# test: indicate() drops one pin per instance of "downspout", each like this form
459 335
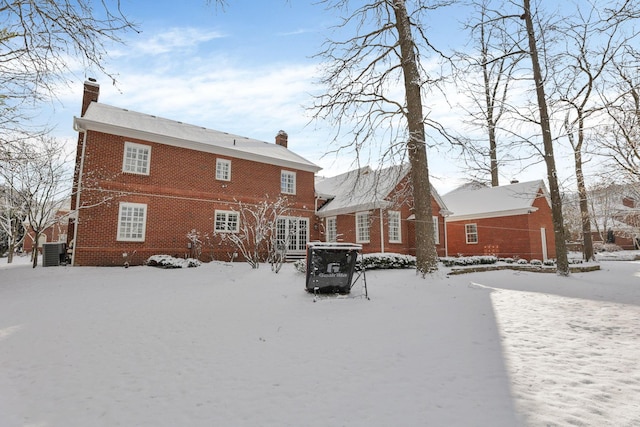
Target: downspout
381 232
78 191
446 243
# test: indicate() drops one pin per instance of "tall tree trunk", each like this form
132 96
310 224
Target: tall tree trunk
562 262
490 104
426 254
585 217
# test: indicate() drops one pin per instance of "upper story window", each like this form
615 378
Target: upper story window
132 221
227 222
136 158
362 227
223 169
471 231
288 182
436 231
331 229
395 232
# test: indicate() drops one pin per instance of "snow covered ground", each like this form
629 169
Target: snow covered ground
224 345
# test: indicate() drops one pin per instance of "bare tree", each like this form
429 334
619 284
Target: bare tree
592 42
619 140
13 211
40 180
257 238
39 43
495 57
562 261
384 46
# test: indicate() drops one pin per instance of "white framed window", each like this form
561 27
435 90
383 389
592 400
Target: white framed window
288 182
137 158
436 231
395 232
223 169
227 221
331 232
292 233
362 227
132 222
471 231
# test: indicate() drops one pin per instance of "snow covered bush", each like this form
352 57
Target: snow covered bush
522 261
549 262
606 247
462 261
379 261
167 261
509 260
385 261
535 262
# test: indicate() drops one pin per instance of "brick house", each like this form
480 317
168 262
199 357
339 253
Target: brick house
142 183
56 232
374 209
507 221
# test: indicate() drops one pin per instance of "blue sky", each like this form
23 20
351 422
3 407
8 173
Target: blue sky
247 69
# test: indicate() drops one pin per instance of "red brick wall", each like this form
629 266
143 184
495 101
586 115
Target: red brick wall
181 193
508 236
346 226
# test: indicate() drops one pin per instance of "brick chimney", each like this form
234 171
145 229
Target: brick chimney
91 93
282 138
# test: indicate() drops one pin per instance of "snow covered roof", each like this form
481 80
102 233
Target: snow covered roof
119 121
362 189
506 200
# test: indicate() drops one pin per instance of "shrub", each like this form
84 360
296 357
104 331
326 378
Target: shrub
535 262
385 261
167 261
469 260
606 247
549 262
522 261
372 262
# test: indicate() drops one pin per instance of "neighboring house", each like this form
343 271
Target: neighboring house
143 183
615 215
56 232
374 209
507 221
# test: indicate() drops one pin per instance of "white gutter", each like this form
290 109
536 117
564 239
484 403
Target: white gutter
381 232
78 190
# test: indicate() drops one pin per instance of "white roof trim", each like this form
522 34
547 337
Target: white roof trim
281 155
352 209
496 214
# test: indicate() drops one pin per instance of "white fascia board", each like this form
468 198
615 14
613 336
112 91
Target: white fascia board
485 215
354 209
82 124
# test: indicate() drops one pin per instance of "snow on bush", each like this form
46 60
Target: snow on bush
167 261
468 260
385 261
376 261
535 262
606 247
